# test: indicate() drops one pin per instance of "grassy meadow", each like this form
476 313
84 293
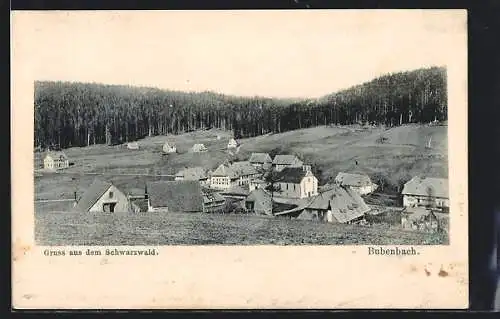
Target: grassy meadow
64 228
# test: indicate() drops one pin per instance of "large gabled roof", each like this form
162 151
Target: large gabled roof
292 175
177 196
260 158
92 195
286 160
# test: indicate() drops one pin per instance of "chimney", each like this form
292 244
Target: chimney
75 201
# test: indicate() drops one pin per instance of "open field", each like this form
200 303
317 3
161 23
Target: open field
65 228
330 150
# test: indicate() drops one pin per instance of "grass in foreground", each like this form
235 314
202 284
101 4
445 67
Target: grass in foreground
66 228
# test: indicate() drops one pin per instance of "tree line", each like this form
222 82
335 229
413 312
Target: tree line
78 114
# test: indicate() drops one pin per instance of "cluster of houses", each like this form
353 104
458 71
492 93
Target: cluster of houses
294 194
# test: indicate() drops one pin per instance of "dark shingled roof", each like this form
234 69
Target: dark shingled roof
291 175
350 179
346 204
92 195
260 158
178 196
286 160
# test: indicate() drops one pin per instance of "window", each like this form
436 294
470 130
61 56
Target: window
111 194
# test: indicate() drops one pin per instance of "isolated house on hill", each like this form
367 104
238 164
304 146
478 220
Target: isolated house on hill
232 143
297 182
133 146
259 202
199 148
426 192
337 205
55 160
193 174
358 182
260 160
103 196
174 196
169 148
282 161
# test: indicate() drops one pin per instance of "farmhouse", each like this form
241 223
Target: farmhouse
169 148
55 160
232 143
419 218
174 196
337 205
297 182
282 161
193 174
237 173
103 196
259 202
213 202
359 182
223 177
244 171
426 192
199 148
133 146
260 160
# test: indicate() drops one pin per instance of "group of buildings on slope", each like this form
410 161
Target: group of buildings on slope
295 194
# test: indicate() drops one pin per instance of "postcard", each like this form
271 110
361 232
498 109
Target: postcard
305 159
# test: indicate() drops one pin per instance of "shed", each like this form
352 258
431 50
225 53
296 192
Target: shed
174 196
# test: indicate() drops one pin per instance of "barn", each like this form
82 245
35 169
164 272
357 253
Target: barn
103 196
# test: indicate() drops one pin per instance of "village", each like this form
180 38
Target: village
282 186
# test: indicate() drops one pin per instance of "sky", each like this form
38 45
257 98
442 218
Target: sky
285 53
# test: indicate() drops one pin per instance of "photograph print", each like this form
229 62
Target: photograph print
243 128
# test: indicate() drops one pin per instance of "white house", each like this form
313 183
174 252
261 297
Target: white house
282 161
193 174
103 196
426 192
232 143
235 174
133 146
55 160
297 182
198 148
174 196
260 160
169 148
359 182
223 177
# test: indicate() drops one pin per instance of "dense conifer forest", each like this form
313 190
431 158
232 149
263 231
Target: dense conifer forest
78 114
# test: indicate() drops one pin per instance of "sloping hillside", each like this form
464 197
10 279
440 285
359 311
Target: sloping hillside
403 154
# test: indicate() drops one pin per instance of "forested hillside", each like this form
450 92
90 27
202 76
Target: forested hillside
79 114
